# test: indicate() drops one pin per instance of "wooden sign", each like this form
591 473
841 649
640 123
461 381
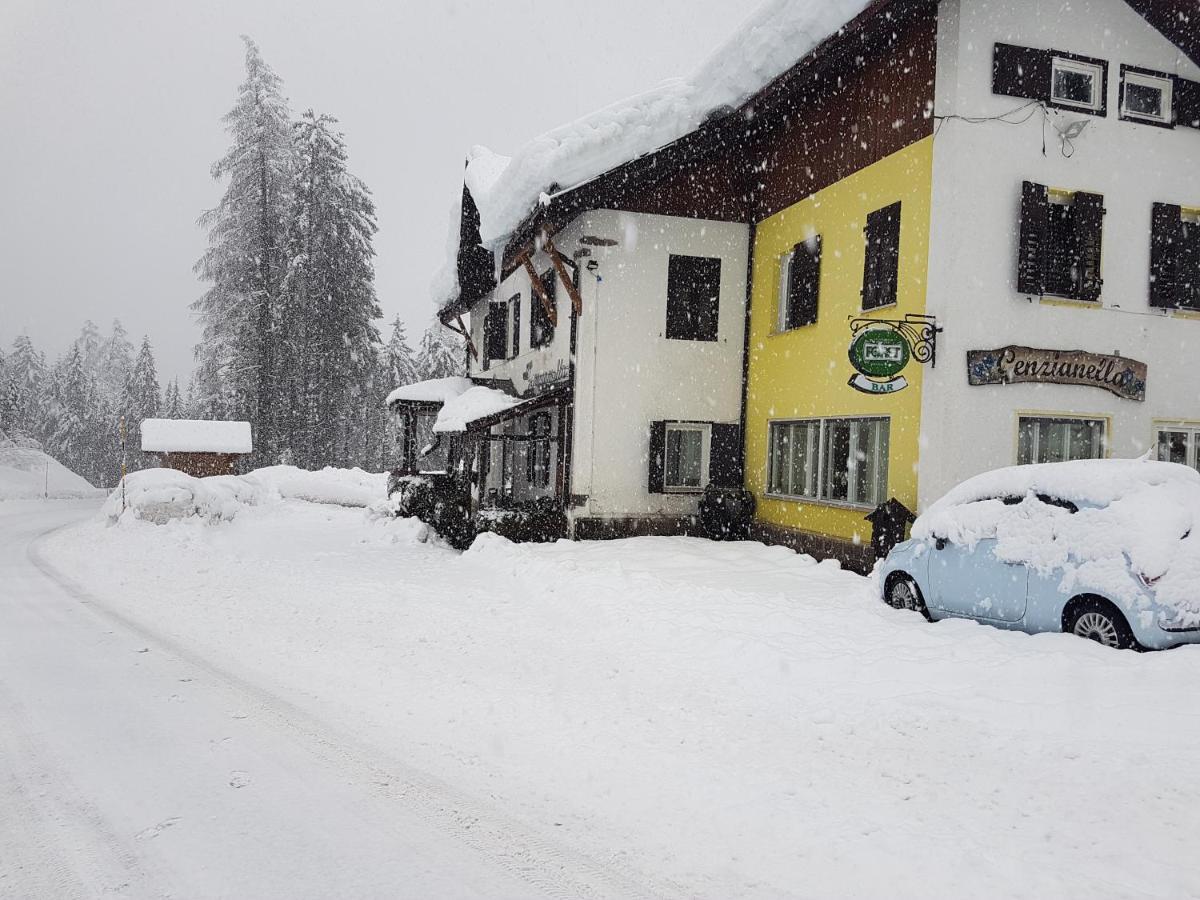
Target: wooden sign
1012 365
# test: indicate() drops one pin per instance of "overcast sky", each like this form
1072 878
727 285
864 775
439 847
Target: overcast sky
111 114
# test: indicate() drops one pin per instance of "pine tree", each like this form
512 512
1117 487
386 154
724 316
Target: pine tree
89 343
238 354
115 362
24 392
438 357
172 401
399 361
72 435
331 343
142 400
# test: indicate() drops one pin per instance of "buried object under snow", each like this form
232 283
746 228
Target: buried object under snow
1108 549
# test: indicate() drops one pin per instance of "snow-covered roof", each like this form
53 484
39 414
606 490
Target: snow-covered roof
476 403
1132 514
195 436
768 43
436 390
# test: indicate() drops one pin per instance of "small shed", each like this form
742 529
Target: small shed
195 446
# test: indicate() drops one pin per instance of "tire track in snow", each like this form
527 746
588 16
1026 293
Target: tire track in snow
555 869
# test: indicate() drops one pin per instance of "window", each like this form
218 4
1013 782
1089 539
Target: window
541 329
799 285
685 463
693 298
1042 439
1174 257
1077 83
495 332
883 257
537 455
1146 96
514 304
834 460
1180 444
1060 241
1055 77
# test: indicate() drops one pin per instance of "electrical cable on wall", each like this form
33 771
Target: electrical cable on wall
1066 136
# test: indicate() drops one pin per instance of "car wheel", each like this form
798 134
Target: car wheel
903 593
1098 620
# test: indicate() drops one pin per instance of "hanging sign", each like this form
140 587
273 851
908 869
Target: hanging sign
1013 365
879 355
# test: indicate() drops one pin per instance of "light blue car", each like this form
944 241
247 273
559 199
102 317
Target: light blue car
1104 549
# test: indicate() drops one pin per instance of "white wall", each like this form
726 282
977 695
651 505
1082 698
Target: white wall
630 374
978 170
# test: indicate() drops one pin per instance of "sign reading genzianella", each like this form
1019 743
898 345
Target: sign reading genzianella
1012 365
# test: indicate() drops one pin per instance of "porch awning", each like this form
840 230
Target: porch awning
462 412
520 408
431 392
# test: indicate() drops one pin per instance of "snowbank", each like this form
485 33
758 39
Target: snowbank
160 495
474 404
777 36
195 436
1135 517
27 473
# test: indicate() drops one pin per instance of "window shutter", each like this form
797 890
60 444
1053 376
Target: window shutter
725 456
1021 72
1185 97
516 325
1088 218
658 453
1031 256
804 277
1166 240
880 271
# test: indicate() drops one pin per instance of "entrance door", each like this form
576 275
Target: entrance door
973 582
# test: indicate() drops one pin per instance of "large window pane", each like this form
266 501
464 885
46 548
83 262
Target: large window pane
1047 440
870 462
685 457
837 459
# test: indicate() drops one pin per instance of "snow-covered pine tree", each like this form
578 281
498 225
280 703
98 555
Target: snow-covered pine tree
332 342
25 388
238 354
439 356
399 359
172 401
142 401
89 343
115 362
72 432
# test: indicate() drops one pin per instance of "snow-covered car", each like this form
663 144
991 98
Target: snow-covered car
1104 549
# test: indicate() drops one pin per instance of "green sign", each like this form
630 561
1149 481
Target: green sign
879 353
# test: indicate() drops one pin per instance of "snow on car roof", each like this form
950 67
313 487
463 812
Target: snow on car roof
195 436
435 390
773 39
476 403
1136 518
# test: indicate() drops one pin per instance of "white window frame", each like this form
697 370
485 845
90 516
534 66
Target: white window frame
705 430
1191 429
1036 446
821 480
1164 85
1095 70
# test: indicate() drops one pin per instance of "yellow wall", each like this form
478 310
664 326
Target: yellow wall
804 373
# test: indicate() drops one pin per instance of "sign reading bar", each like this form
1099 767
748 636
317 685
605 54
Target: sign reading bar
1011 365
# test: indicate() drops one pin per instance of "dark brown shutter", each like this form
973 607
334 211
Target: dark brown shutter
1166 240
1185 98
1031 255
881 269
515 302
804 283
725 456
1021 72
658 453
1088 218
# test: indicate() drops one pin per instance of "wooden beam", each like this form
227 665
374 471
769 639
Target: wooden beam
462 329
536 280
576 300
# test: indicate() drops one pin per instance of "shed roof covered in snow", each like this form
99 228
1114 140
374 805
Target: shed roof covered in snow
195 436
477 403
435 390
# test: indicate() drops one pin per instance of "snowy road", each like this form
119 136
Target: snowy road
131 767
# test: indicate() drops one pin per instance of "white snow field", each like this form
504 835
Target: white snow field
308 701
26 472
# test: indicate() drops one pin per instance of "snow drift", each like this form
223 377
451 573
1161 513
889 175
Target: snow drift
160 495
27 472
